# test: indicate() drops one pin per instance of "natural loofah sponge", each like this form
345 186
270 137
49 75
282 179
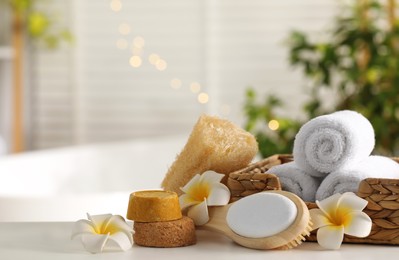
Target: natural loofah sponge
214 144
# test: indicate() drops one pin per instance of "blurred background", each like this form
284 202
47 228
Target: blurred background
98 97
99 71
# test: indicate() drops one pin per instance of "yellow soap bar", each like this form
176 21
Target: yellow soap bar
153 206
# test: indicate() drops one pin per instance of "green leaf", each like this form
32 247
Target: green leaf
21 6
38 23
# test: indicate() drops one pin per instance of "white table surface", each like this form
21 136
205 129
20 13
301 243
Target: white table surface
51 240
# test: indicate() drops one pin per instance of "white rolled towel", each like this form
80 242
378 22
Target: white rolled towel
330 142
348 179
295 180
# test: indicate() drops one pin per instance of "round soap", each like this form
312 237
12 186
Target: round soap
153 206
261 215
175 233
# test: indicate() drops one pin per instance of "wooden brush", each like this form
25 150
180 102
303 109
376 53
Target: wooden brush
260 214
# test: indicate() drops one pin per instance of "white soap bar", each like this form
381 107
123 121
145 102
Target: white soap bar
261 215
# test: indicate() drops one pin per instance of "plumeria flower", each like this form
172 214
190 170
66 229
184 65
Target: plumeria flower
338 215
103 231
203 191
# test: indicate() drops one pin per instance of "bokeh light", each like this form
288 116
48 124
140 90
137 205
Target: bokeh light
273 125
161 65
203 98
195 87
175 83
135 61
153 58
116 5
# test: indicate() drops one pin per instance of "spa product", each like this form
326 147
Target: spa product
153 205
348 179
214 144
266 220
295 180
175 233
158 221
332 142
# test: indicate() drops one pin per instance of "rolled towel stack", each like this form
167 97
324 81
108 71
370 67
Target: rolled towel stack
295 180
331 142
332 155
348 179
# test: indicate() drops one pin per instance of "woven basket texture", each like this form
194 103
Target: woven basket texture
382 196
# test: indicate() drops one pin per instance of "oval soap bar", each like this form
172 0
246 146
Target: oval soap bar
153 206
261 215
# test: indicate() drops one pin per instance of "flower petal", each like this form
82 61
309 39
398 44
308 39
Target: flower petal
121 240
212 177
192 182
186 201
99 220
351 201
119 224
81 227
199 213
94 243
330 237
319 219
329 205
219 195
359 224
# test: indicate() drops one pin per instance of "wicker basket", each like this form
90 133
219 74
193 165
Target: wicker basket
382 195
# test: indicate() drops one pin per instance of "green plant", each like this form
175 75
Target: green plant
359 62
38 25
274 136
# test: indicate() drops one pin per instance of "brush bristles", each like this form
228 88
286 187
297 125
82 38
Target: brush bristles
299 239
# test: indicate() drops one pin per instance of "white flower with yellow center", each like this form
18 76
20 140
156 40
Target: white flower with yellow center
203 191
102 231
338 215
